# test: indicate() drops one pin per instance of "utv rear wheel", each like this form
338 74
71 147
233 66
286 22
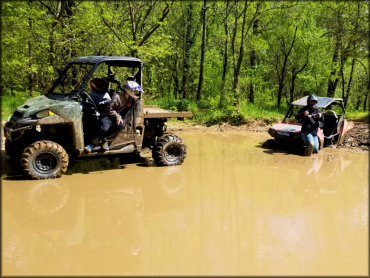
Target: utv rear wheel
169 150
44 160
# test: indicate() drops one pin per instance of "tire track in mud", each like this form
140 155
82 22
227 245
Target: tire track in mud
357 139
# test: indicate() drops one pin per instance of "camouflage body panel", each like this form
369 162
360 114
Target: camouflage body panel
66 112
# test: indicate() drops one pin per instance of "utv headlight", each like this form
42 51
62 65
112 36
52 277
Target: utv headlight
44 113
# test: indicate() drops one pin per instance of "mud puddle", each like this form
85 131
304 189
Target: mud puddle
232 208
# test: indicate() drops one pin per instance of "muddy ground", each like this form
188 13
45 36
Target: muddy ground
357 139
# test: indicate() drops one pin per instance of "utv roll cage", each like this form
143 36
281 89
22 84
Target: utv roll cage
324 102
95 61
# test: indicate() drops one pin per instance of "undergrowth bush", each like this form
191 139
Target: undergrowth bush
9 102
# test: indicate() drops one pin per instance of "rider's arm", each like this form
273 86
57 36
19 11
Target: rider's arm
300 113
317 113
113 108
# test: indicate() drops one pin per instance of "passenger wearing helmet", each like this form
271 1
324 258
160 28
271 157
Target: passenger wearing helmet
311 118
121 102
99 100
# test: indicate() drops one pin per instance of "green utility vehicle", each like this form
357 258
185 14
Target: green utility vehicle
45 131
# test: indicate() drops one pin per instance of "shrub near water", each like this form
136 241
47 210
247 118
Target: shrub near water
10 102
358 115
205 111
208 113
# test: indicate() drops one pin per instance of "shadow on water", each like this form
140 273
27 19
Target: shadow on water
282 149
10 170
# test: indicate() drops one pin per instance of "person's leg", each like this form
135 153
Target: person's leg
309 139
98 138
92 128
315 144
303 136
105 125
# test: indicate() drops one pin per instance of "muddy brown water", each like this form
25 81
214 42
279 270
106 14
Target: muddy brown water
232 208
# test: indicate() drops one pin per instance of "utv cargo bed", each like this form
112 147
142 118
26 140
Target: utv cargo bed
153 111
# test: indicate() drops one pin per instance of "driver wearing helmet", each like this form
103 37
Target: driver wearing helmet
311 118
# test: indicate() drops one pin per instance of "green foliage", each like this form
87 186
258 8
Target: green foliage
10 102
358 115
38 38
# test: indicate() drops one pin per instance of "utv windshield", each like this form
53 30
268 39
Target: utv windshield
71 79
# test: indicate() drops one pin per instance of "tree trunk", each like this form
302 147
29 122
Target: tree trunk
343 81
253 59
252 63
333 79
188 44
57 16
282 80
175 79
358 103
237 66
346 97
283 70
30 58
203 46
291 93
280 90
52 44
224 71
367 94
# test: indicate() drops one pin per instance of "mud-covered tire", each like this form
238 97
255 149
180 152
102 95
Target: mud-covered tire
44 160
169 150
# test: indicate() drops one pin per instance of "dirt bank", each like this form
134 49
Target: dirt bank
357 138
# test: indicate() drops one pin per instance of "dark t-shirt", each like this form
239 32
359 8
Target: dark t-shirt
310 123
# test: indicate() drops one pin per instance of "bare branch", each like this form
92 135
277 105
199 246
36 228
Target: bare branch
110 28
250 24
133 24
293 41
165 12
47 7
148 11
279 7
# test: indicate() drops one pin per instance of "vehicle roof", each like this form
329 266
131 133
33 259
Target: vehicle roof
114 60
322 103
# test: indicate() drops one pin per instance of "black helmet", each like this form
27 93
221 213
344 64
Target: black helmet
312 98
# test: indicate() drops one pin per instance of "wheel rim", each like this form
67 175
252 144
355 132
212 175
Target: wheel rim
45 163
172 153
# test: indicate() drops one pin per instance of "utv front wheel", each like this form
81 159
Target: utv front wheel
44 160
169 150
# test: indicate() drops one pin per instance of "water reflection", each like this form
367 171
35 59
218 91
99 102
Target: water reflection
47 197
172 180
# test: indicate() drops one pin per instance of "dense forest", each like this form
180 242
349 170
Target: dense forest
219 56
